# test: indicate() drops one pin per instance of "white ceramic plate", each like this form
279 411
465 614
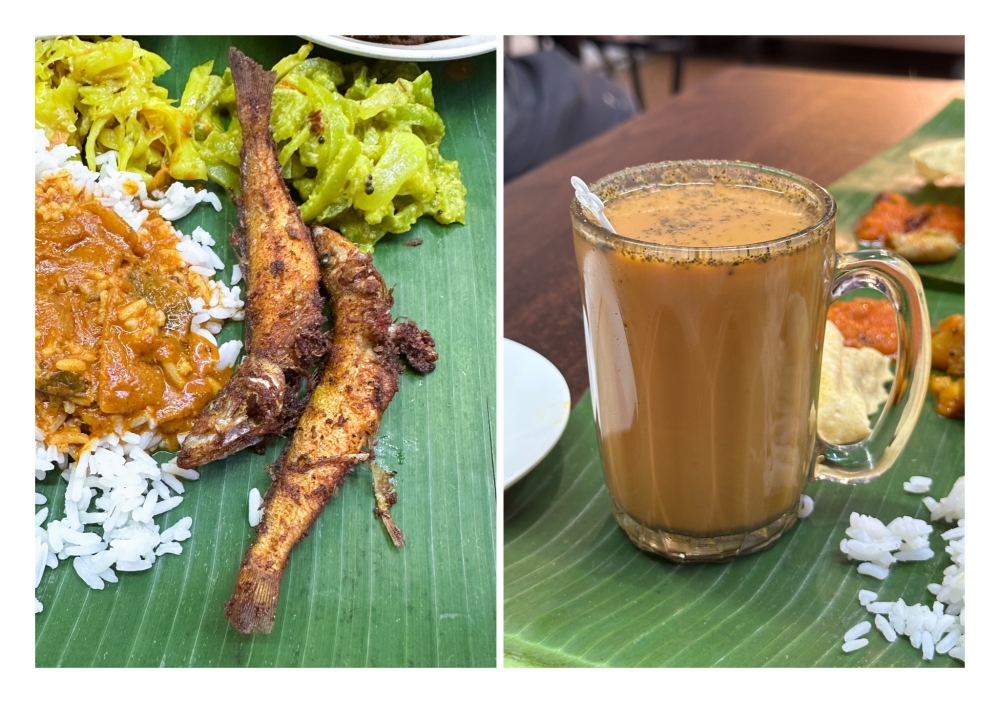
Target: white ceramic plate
457 48
535 412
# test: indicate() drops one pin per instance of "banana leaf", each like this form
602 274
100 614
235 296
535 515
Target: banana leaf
892 170
349 597
578 593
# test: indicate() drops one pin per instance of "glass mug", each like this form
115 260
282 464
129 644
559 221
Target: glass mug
704 367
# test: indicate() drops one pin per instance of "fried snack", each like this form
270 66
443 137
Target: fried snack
852 386
845 242
285 337
924 246
893 215
940 159
336 431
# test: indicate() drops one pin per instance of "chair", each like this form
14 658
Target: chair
634 46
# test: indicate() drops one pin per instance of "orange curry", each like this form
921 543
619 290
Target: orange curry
113 346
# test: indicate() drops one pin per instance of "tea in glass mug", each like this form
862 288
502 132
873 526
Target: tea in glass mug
704 315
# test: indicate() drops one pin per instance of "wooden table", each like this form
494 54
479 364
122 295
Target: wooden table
819 125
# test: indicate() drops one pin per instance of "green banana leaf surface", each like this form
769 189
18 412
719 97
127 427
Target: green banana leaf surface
577 593
349 597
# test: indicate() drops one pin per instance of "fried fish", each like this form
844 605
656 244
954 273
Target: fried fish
337 429
284 319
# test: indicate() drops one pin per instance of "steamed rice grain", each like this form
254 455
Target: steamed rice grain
256 512
854 645
939 629
862 628
885 628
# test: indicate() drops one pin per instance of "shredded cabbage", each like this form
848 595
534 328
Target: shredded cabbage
360 145
100 96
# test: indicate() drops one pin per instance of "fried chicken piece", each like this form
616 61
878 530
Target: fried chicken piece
284 328
336 431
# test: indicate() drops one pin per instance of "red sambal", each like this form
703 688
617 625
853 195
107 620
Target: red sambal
866 322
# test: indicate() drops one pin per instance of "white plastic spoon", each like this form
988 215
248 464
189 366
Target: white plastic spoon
591 202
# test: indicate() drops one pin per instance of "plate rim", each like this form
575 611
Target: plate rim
521 472
392 52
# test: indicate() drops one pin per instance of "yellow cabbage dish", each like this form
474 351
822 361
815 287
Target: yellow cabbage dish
359 144
100 96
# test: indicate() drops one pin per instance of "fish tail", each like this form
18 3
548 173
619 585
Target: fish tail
395 534
255 598
385 498
254 87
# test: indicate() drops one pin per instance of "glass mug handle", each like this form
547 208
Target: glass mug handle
869 458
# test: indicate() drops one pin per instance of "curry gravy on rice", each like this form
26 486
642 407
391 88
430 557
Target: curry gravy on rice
114 351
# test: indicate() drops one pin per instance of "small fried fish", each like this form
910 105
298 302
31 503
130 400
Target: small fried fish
337 429
285 337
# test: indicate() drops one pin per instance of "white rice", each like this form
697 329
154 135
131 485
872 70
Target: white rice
228 351
938 629
806 506
179 200
854 645
952 507
878 546
869 569
926 645
119 489
115 485
256 512
885 628
862 628
866 597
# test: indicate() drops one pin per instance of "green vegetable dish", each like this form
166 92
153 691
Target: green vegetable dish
359 144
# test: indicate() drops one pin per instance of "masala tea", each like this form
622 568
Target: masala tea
704 320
